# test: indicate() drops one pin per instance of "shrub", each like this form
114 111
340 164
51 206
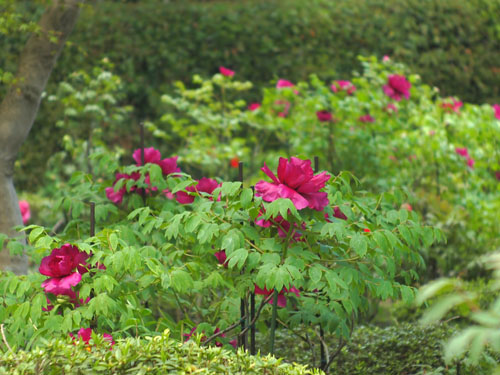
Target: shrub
151 355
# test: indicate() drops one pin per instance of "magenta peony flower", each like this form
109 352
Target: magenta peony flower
286 107
324 116
470 163
254 106
24 207
64 266
336 213
117 196
282 225
283 83
454 106
462 151
497 175
151 155
496 107
397 87
281 295
226 72
346 86
205 185
297 182
391 108
85 334
366 118
221 257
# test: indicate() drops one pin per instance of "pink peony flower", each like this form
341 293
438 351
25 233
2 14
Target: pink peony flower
496 107
221 257
226 72
297 182
254 106
24 207
282 225
281 295
336 213
386 58
286 107
397 87
205 185
366 118
117 196
62 261
283 83
324 116
62 286
168 194
454 106
470 163
346 86
462 151
85 334
153 156
391 108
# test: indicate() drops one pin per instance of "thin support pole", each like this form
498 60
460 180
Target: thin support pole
316 164
141 127
273 322
243 302
92 219
252 328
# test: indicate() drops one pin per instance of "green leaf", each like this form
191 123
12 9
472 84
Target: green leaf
113 240
238 257
315 274
359 244
181 281
34 234
246 197
230 188
182 185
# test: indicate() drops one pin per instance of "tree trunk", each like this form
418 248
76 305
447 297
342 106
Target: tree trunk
20 106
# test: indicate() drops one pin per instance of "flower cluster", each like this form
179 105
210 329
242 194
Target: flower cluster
85 334
452 106
151 155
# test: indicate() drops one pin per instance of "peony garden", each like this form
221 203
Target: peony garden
345 222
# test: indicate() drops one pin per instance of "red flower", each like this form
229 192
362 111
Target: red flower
297 182
62 261
235 162
205 185
497 175
254 106
366 230
366 118
226 72
24 207
324 116
407 206
117 196
496 107
346 86
153 156
397 87
454 106
281 295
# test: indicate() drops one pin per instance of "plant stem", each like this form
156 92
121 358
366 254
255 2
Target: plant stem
273 321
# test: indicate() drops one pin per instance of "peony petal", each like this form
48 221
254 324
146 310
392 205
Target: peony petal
269 173
183 197
317 201
268 191
315 183
298 200
151 155
62 285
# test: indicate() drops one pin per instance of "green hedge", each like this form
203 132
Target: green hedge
158 355
454 45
